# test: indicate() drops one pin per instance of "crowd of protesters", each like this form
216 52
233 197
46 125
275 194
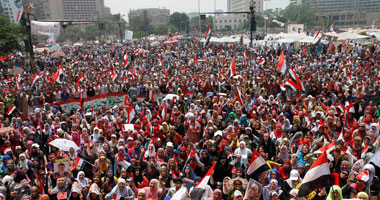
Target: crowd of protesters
174 142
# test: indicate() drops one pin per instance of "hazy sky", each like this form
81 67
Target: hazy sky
123 6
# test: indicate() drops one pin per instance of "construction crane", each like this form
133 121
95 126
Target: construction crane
320 18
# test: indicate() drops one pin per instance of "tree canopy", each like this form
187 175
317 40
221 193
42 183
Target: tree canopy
179 21
302 14
10 35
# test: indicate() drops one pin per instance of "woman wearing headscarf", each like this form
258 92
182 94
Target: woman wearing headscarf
23 162
94 193
283 154
82 180
139 179
373 186
76 192
287 126
19 185
120 190
109 181
335 193
155 190
373 132
362 196
188 176
244 152
285 169
272 186
217 195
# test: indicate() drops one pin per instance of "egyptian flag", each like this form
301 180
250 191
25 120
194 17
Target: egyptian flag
317 176
35 79
295 79
18 80
282 65
10 110
164 111
232 68
261 61
57 75
350 108
208 35
305 52
291 85
257 165
239 96
81 78
136 52
131 113
317 39
160 63
78 163
200 188
375 161
126 59
113 77
328 147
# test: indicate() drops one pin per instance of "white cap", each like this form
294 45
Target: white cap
35 145
130 138
113 135
218 133
294 175
169 144
237 193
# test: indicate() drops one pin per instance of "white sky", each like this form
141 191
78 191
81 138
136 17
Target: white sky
123 6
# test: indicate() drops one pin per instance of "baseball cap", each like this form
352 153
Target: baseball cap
294 175
169 144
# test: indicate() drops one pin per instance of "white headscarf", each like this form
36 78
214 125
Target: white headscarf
83 181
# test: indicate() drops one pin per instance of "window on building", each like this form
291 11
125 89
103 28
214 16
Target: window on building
230 20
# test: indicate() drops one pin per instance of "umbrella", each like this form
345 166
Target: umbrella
64 144
155 44
78 44
57 54
170 97
6 130
171 41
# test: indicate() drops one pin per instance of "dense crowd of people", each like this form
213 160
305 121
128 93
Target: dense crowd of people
217 119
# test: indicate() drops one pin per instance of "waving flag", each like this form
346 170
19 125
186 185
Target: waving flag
317 39
126 59
282 64
35 79
160 63
240 96
131 113
257 165
10 110
232 68
208 35
317 176
296 79
80 79
57 75
78 163
350 108
164 111
200 188
113 77
18 80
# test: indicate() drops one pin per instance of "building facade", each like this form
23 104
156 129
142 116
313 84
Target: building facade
229 21
229 2
347 12
156 16
243 5
11 8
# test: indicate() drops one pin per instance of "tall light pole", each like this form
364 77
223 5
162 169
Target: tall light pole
199 10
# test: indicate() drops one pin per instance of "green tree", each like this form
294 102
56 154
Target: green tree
10 35
302 14
179 20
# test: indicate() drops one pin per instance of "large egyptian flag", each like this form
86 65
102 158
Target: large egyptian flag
317 176
318 37
208 35
375 161
295 79
257 165
282 65
57 75
200 188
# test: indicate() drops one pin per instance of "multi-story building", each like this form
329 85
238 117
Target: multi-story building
156 16
69 9
229 2
243 5
11 8
346 12
233 21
